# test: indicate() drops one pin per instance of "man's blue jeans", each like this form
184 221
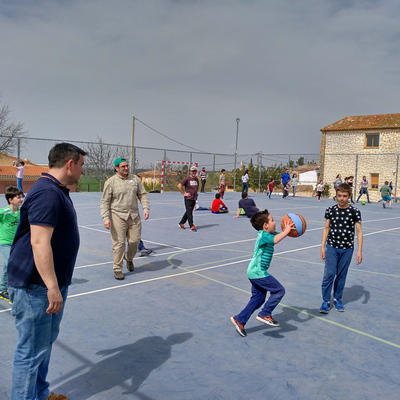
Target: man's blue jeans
337 262
37 331
5 251
259 289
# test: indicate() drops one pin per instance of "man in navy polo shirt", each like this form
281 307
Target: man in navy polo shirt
40 268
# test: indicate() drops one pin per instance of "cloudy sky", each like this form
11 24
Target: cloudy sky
81 69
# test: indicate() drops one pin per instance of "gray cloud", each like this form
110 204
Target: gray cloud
78 69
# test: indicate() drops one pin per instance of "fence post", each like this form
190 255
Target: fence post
397 174
212 188
259 171
355 177
19 150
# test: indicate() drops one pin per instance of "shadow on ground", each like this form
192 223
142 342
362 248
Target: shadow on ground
127 366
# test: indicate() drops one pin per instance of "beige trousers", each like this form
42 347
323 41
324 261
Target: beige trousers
122 232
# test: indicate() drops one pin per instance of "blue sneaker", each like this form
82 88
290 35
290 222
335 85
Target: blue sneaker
338 305
326 305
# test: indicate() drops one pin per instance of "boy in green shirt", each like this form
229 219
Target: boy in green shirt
9 218
257 272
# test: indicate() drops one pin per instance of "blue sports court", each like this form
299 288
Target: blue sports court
165 331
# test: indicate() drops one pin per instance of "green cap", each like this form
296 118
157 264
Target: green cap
119 161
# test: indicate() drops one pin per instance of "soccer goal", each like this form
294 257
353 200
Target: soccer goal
172 172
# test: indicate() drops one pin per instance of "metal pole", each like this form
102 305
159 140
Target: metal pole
259 172
133 146
237 135
19 151
101 165
212 189
397 174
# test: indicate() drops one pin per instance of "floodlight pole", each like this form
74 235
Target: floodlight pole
237 135
133 146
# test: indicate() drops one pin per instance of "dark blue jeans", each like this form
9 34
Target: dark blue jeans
259 289
337 262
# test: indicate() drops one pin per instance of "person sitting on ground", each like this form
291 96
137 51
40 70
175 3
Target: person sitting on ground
248 205
218 207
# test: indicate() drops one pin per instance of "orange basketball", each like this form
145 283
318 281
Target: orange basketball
300 224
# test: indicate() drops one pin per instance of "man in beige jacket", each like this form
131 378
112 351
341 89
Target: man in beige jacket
120 214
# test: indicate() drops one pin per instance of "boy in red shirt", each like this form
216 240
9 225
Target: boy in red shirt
218 207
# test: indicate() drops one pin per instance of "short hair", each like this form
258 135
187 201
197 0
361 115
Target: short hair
344 188
386 182
259 218
223 170
244 195
21 162
11 192
61 153
218 195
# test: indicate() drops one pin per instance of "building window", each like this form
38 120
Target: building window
374 181
372 140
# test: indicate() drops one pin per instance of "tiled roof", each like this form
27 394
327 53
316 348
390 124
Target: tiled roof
8 170
363 122
31 171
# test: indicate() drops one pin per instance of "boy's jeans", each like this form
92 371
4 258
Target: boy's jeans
259 289
37 331
337 262
5 251
19 184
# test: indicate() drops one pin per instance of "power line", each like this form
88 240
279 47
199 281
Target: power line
155 130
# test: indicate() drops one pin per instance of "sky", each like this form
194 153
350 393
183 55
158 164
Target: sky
82 69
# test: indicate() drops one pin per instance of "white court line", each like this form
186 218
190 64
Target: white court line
203 269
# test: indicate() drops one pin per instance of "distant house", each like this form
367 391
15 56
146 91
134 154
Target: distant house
8 169
362 145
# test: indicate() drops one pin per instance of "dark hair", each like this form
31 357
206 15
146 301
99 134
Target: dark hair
247 171
244 195
11 192
259 219
21 162
222 170
344 188
386 182
61 153
218 195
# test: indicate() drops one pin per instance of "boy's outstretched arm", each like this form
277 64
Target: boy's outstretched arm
238 213
325 233
284 233
359 242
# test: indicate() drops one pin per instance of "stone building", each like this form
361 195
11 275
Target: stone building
362 145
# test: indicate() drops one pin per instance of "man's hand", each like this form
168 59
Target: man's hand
107 224
359 257
145 215
55 301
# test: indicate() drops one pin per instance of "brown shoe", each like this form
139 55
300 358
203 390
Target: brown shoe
119 275
130 266
55 396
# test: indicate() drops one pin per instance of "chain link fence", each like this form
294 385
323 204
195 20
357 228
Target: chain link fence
146 161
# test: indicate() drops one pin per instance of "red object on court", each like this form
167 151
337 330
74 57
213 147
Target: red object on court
300 224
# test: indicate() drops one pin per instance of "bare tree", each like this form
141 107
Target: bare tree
10 131
99 163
